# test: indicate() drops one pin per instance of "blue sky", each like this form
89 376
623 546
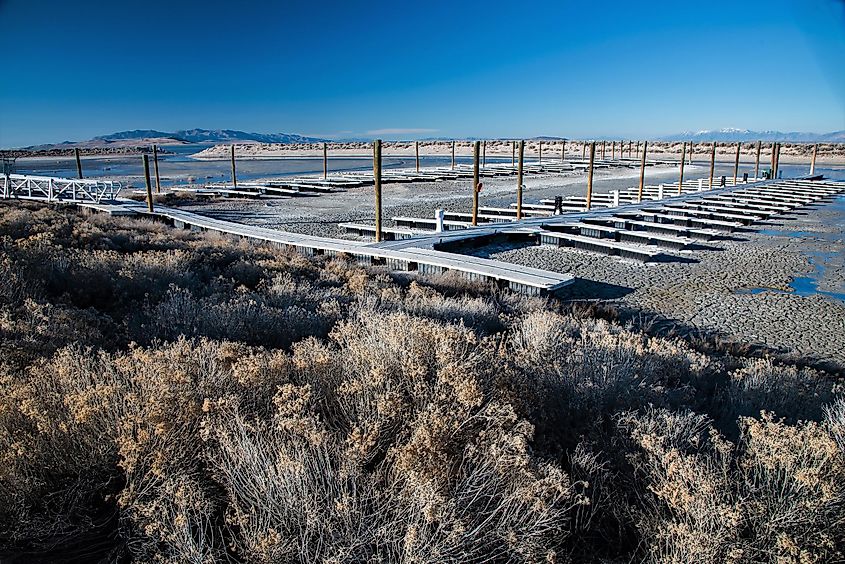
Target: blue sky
73 70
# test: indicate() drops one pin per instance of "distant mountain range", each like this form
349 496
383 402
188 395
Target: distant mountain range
149 136
732 134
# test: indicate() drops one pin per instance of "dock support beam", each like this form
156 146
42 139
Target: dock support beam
417 153
519 180
149 184
234 172
590 175
736 162
377 184
78 163
777 159
325 161
475 150
757 162
712 165
683 157
813 161
155 168
642 170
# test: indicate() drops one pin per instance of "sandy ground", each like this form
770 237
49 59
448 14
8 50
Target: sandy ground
737 286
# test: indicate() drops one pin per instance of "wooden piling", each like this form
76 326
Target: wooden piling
234 173
149 184
690 152
78 163
613 150
325 161
155 167
484 155
513 154
736 162
712 164
603 145
813 161
453 155
772 167
584 150
519 180
475 150
757 162
638 148
377 184
563 151
777 159
683 158
590 175
417 153
642 171
540 158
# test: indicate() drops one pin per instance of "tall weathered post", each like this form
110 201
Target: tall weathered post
736 162
325 161
417 153
453 155
757 162
772 167
690 152
513 154
78 163
234 173
519 180
603 145
642 172
377 184
155 167
712 164
149 184
563 151
590 175
683 157
813 161
613 150
583 150
777 159
540 158
475 183
484 154
638 148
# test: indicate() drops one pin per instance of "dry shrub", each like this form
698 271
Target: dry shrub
775 496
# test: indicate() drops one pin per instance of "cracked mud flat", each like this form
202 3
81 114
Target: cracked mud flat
712 291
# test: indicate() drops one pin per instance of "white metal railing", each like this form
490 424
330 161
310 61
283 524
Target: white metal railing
53 189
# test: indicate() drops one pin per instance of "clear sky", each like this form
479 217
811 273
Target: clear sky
404 69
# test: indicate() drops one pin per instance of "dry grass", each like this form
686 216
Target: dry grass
174 397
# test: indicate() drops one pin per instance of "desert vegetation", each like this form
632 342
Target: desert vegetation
171 396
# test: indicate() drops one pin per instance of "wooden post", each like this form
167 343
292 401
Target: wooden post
234 173
736 162
757 162
590 175
325 161
683 157
642 171
603 145
540 158
78 163
630 146
513 154
712 164
453 155
777 159
772 167
584 150
155 167
475 183
519 180
613 151
484 155
690 152
813 161
563 151
417 153
377 184
149 184
638 148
